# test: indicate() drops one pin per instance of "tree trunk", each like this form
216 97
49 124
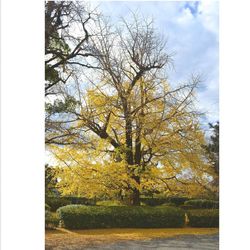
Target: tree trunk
135 197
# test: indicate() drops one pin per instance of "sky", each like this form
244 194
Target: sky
191 29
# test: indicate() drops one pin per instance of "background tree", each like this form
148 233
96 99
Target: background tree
212 149
64 47
50 181
130 130
68 27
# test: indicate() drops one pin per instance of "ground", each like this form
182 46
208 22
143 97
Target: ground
135 239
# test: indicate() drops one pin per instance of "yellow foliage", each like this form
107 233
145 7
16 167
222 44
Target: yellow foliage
168 132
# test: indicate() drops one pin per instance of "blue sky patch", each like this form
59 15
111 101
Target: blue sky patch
192 6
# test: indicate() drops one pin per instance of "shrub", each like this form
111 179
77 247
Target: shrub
159 201
56 202
51 220
168 204
186 207
81 217
109 203
153 201
203 218
80 200
177 200
47 207
202 204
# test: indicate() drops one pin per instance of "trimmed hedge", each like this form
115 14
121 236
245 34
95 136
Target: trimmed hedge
109 203
186 207
57 202
153 201
160 201
80 200
197 204
203 218
169 204
178 200
84 217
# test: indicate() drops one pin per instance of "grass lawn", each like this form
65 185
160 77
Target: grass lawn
94 237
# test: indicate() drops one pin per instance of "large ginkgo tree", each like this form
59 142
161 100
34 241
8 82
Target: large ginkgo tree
124 129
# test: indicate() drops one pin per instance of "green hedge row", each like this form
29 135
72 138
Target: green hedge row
160 201
197 204
186 207
57 202
81 217
109 203
203 218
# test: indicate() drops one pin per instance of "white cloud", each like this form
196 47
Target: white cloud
208 15
186 17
